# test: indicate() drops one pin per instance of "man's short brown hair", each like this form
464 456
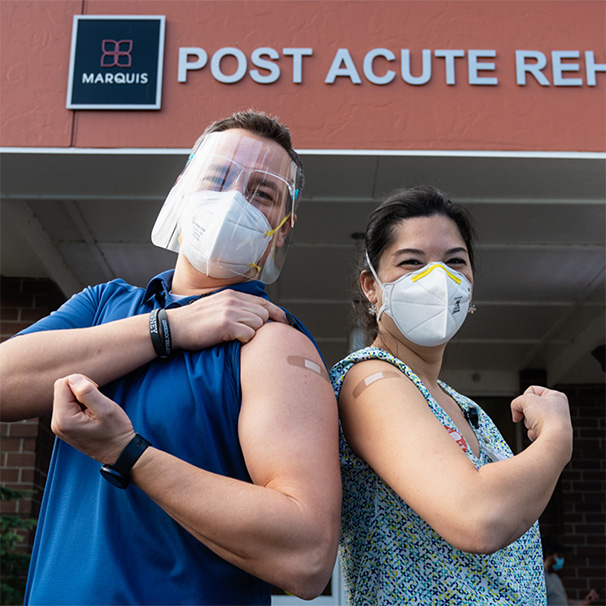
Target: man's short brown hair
259 123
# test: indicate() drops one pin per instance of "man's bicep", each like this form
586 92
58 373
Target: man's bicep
288 423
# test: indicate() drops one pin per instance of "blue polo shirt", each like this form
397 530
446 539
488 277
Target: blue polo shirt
98 544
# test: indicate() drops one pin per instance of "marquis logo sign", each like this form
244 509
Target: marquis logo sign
117 53
116 62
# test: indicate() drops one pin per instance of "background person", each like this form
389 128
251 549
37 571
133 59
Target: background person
225 423
553 562
436 510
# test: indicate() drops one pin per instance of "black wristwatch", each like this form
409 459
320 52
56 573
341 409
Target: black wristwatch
118 474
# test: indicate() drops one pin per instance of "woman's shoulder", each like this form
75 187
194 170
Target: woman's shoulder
341 368
357 360
364 367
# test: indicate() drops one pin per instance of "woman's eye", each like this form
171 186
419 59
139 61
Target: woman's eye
410 262
456 261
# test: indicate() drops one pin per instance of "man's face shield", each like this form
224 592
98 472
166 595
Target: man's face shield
204 215
269 192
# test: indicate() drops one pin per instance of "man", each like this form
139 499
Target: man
553 562
212 405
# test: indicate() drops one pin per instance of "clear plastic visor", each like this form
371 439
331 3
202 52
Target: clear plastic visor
232 208
258 168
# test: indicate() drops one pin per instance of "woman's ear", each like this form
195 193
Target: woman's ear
369 285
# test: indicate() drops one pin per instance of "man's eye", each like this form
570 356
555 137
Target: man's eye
265 197
212 183
218 177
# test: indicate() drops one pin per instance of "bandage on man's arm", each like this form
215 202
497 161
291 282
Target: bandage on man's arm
301 362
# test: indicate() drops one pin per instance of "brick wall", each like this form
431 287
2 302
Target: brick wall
576 512
25 300
25 446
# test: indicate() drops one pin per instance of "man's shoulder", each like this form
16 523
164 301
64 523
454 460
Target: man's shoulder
115 292
119 285
275 342
278 335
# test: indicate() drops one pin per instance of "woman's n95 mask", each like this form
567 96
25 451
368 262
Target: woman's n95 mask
223 235
429 305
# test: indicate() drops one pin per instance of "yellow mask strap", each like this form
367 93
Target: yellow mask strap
273 231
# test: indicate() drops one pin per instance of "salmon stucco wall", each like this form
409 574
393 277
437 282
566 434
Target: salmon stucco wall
354 81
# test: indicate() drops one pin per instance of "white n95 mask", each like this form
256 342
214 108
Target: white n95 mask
223 235
429 305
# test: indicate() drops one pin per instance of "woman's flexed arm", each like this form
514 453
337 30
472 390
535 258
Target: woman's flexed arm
390 426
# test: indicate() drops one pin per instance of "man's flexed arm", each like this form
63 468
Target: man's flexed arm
284 527
31 363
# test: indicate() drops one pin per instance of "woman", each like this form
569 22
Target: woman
433 516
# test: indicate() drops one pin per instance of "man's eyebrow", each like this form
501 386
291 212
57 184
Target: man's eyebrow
261 179
277 187
219 166
266 182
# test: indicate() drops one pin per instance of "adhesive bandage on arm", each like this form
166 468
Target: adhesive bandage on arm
300 362
373 378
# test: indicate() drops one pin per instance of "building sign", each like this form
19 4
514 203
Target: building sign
116 62
382 66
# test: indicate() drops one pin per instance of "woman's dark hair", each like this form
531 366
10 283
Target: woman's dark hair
421 201
259 123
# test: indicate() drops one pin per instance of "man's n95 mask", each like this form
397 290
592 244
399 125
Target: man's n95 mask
231 210
223 235
429 305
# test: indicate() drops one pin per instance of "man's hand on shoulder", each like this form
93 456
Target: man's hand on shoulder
228 315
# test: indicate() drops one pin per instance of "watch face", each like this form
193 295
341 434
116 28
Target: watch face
114 477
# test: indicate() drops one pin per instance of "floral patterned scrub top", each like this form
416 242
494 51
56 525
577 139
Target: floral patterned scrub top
390 555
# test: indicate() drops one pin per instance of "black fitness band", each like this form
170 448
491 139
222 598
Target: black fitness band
159 331
118 474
